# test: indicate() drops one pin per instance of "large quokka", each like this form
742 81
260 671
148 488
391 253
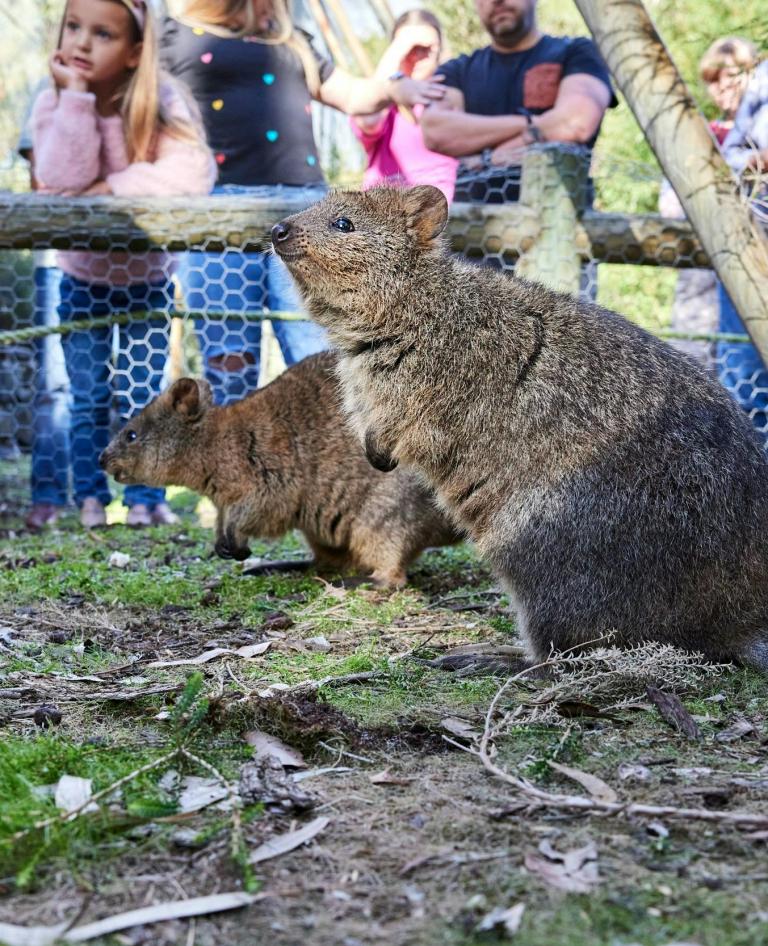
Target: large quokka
609 482
283 458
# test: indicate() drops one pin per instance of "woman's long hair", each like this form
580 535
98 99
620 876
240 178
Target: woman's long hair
141 100
215 16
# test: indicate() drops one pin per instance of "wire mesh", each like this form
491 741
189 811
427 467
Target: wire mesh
102 304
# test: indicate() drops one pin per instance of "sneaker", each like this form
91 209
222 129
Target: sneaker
92 514
138 516
162 515
41 514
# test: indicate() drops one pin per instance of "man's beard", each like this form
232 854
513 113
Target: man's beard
510 36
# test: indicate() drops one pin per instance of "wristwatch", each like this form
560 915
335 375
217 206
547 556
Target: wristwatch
533 130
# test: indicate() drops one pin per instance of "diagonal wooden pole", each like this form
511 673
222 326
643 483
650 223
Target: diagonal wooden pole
687 152
350 37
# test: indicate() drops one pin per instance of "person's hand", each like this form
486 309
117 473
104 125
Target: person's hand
758 161
472 162
410 92
67 77
98 189
408 38
509 152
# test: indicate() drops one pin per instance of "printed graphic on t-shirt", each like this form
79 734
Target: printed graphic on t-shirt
540 85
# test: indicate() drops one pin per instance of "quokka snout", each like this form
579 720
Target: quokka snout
280 459
612 485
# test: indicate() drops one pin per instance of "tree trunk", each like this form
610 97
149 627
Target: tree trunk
687 153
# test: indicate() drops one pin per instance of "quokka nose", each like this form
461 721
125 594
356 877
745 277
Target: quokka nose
281 231
103 459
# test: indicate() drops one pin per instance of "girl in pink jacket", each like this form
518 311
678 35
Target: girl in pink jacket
114 124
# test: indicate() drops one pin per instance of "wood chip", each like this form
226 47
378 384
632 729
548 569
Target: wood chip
596 787
283 843
673 712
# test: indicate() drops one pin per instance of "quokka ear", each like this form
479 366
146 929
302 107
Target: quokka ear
427 211
190 398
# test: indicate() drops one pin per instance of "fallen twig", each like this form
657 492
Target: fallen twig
485 751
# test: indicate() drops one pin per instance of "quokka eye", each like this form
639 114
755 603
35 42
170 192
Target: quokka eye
344 224
131 435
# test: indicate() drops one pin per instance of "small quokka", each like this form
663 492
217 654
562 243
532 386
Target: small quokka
611 484
283 458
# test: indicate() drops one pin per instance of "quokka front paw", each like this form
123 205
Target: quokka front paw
378 457
224 549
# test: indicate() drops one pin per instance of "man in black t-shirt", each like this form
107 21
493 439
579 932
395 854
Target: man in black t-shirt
524 87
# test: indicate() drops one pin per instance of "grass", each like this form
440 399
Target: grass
77 621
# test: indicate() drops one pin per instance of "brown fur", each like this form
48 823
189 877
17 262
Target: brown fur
609 481
283 459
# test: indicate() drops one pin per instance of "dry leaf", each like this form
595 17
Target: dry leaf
459 727
13 935
253 650
386 778
118 560
505 921
72 792
573 871
333 591
657 829
265 745
249 650
596 787
198 793
628 772
321 644
283 843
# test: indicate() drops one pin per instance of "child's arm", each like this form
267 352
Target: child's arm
180 168
66 141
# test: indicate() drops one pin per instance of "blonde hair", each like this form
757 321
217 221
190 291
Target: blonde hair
143 111
728 51
215 16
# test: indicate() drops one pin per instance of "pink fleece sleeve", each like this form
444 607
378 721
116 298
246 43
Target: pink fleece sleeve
180 168
66 141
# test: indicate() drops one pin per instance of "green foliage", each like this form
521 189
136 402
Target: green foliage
189 710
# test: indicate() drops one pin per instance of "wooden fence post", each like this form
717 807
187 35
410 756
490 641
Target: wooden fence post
554 185
687 152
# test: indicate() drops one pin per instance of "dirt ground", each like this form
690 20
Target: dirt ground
421 843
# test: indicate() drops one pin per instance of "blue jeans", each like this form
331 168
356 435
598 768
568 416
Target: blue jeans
741 369
137 375
244 282
50 445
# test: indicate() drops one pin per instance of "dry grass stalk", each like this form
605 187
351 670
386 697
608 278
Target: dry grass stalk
495 726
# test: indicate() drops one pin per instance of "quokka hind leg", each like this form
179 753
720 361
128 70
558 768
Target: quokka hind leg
383 558
332 560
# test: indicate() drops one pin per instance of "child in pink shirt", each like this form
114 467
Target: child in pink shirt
114 125
392 139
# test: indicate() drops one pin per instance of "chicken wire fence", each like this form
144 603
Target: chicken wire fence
104 302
